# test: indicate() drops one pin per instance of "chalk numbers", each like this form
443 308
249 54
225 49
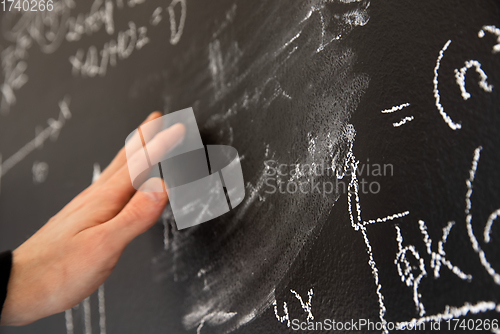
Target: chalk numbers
27 5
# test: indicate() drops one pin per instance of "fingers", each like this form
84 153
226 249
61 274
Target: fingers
121 159
116 192
137 163
140 213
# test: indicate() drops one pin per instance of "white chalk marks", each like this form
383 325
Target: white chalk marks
406 269
460 75
97 172
214 318
489 225
87 320
40 172
102 310
388 218
176 29
439 258
15 77
446 118
156 16
452 313
403 121
283 318
492 30
86 305
413 266
395 108
468 220
398 108
307 307
406 273
359 225
460 78
94 62
51 131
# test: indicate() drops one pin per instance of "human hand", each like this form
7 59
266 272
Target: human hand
76 250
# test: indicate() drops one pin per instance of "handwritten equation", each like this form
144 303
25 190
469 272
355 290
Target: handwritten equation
50 29
412 267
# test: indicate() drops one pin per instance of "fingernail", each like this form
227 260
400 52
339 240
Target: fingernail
153 188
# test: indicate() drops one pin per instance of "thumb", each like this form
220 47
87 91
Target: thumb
139 214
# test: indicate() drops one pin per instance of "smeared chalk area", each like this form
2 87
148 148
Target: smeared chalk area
284 92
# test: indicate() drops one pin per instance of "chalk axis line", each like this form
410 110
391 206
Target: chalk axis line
87 319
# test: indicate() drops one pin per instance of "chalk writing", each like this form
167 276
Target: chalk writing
50 28
406 274
395 108
15 77
405 268
176 30
102 309
101 14
403 121
87 311
460 78
68 316
93 62
388 218
87 321
284 318
52 131
46 28
40 172
156 17
489 224
439 258
305 306
493 30
468 220
446 118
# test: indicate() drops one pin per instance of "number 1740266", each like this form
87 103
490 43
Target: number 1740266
27 5
472 324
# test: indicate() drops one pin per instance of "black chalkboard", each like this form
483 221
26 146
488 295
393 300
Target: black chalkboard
368 137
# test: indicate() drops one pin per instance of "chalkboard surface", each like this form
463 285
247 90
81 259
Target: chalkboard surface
368 134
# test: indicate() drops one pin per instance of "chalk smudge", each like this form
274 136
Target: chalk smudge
232 266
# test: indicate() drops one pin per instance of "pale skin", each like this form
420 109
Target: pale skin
76 250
